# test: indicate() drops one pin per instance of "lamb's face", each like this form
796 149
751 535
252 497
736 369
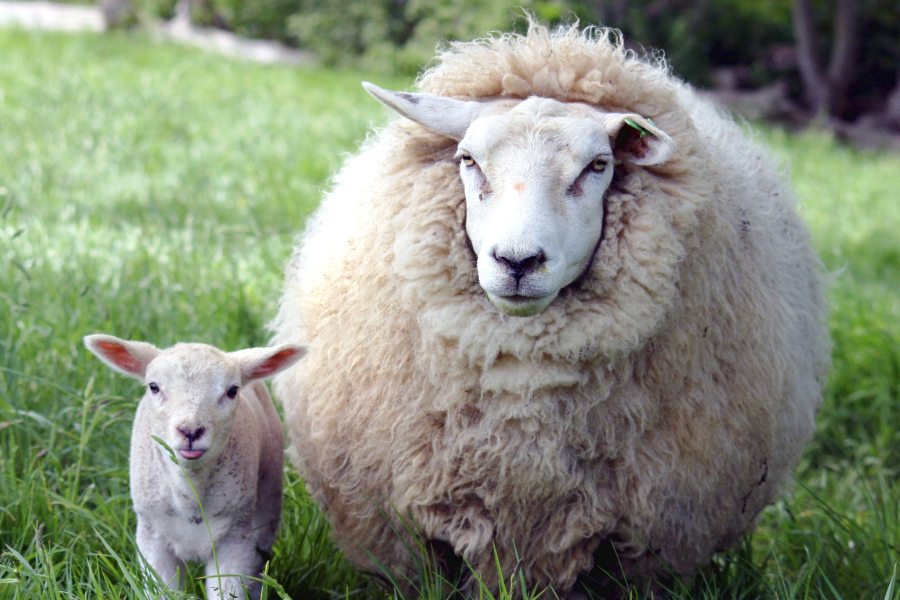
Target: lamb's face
535 174
535 180
193 392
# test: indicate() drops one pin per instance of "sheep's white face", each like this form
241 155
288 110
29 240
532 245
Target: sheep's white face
535 174
534 200
193 390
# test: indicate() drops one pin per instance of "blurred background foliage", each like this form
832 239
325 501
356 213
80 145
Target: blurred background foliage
736 44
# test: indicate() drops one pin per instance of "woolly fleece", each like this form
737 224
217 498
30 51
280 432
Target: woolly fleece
657 405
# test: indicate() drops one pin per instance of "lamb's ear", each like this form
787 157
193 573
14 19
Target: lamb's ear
638 140
259 363
130 358
446 116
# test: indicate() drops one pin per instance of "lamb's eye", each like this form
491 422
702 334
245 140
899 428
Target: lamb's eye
468 160
232 391
598 164
154 388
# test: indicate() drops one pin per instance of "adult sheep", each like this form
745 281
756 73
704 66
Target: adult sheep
643 412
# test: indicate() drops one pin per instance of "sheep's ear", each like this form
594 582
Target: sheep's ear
259 363
446 116
130 358
638 140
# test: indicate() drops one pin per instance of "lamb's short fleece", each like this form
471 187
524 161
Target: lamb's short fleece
654 407
215 414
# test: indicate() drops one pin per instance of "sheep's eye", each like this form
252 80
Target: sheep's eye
598 164
232 391
154 388
468 160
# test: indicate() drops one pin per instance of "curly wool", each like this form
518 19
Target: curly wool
657 405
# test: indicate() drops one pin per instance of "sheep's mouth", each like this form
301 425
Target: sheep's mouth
191 453
521 306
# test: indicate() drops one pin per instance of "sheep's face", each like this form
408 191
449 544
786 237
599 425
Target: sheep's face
534 185
193 390
535 174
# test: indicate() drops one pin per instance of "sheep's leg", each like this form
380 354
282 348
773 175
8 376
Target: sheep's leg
267 516
159 555
235 557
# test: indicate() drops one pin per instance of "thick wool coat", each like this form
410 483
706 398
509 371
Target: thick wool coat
655 407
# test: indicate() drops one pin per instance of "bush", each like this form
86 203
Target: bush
756 38
699 35
753 38
156 9
401 36
265 19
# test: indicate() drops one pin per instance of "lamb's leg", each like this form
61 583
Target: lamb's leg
159 555
267 516
235 557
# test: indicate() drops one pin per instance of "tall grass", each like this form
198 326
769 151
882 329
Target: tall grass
153 192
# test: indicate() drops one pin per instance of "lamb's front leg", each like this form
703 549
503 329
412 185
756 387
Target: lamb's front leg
158 554
236 556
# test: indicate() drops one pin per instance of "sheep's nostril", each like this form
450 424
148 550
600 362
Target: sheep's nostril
518 267
191 434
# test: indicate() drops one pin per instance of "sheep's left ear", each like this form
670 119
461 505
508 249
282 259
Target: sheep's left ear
259 363
638 140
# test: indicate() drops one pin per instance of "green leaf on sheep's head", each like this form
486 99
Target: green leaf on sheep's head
640 128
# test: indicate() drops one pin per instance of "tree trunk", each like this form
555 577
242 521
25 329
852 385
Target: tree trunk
826 93
892 110
843 55
815 85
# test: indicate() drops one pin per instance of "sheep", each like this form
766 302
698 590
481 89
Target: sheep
214 411
561 313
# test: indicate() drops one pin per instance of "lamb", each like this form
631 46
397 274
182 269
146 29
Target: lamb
214 411
562 310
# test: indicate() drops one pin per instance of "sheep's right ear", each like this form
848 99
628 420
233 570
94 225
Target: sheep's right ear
446 116
130 358
259 363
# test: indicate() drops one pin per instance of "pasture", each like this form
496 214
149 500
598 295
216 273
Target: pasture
153 192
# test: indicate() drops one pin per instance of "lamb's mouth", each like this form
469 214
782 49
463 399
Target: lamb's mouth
521 306
191 453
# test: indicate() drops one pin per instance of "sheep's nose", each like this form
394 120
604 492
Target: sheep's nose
191 434
517 265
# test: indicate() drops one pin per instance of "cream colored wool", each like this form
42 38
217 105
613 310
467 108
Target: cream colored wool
658 404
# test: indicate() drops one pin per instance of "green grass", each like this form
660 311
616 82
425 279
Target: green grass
151 192
154 192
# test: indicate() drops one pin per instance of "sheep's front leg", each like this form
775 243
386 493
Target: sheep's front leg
236 556
159 555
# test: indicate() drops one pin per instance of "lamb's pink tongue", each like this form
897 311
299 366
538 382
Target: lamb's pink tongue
191 454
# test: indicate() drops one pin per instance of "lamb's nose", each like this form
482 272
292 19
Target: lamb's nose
191 435
518 266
